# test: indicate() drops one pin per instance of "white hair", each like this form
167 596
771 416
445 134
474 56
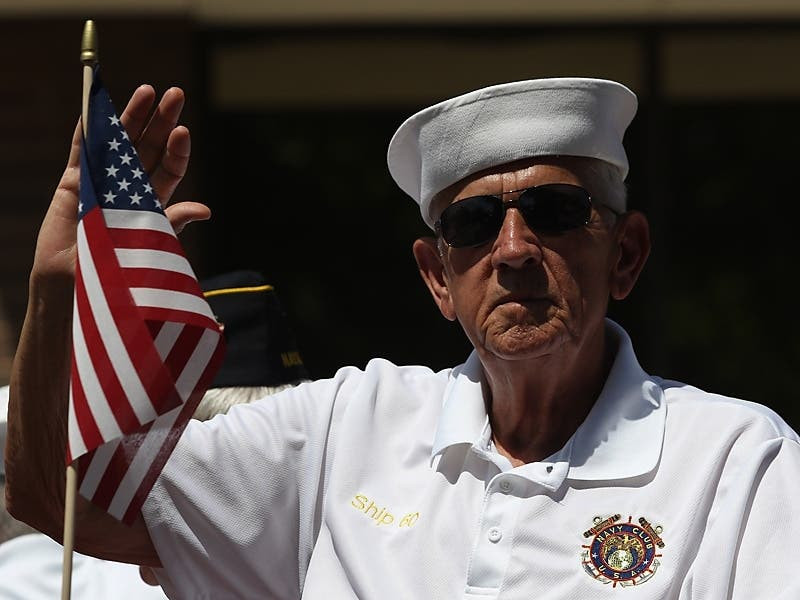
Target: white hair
218 401
607 183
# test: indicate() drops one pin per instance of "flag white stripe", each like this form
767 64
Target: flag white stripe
97 467
159 298
76 445
141 258
95 396
186 383
116 218
115 348
201 355
140 465
166 338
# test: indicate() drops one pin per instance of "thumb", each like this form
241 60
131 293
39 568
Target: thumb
147 576
183 213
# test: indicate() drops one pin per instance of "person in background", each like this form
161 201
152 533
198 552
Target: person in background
261 352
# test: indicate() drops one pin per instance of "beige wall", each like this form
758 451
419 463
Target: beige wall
303 70
250 12
732 64
373 70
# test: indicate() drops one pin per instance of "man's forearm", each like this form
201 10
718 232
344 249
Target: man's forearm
37 412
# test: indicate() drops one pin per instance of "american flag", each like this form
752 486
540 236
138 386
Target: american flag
145 344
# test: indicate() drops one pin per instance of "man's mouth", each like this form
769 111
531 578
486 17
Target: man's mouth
522 299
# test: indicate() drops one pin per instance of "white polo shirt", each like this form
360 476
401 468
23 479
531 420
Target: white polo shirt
383 484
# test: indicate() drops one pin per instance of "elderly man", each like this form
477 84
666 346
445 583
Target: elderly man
548 465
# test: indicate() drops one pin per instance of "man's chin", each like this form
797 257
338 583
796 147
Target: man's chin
522 342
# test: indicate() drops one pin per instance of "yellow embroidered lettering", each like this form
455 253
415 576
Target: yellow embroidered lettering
372 508
381 515
359 502
409 519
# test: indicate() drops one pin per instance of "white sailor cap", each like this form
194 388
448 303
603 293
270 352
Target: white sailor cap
567 116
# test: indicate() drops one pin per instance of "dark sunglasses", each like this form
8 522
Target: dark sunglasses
549 208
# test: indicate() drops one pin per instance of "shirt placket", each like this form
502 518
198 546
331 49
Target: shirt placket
492 548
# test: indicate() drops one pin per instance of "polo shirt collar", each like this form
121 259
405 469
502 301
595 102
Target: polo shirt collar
463 416
620 438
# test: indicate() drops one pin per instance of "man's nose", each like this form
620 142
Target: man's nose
516 245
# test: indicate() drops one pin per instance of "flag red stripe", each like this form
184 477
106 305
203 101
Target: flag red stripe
140 277
177 316
154 327
145 238
116 398
182 350
83 415
118 465
84 460
160 459
128 321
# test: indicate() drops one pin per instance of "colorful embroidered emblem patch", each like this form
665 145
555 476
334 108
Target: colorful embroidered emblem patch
622 553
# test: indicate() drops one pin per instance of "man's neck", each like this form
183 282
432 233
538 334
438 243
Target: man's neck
536 405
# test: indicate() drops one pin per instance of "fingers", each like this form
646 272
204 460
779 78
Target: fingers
183 213
153 138
147 575
162 146
172 167
137 112
71 176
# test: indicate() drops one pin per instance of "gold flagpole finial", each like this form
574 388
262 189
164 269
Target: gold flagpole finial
89 43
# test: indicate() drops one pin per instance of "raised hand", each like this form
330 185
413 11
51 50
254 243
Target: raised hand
163 147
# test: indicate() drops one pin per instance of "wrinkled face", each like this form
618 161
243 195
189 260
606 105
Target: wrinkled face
527 294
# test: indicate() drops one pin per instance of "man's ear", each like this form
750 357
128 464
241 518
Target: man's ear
633 248
431 268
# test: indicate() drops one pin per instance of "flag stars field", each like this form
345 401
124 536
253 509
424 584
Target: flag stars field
125 184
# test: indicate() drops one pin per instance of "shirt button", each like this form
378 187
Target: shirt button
495 535
505 485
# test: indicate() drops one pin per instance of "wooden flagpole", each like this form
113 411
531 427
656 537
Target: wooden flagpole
89 60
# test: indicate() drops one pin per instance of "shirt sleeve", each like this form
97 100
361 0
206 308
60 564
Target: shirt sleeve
766 561
751 530
235 512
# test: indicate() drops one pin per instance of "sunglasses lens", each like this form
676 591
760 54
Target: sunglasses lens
549 208
555 207
471 221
